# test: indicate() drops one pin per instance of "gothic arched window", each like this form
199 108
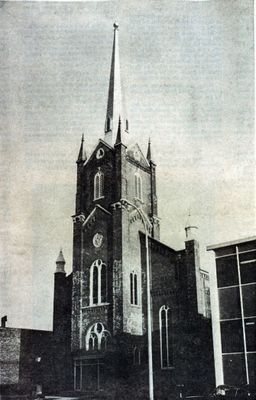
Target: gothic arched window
98 283
138 186
103 274
97 337
98 185
133 289
165 337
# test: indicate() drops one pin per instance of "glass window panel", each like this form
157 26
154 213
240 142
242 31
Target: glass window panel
164 347
248 272
249 300
250 329
234 369
251 255
227 271
232 336
95 285
170 337
131 288
135 290
103 283
229 302
252 368
101 185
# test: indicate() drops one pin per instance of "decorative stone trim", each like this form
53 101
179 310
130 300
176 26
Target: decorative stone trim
78 218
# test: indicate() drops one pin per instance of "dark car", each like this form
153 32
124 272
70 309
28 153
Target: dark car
245 392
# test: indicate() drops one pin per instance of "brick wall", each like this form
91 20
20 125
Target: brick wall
9 355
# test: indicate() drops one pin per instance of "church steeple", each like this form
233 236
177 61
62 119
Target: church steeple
115 107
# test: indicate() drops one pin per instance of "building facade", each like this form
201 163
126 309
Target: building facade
116 211
100 333
234 312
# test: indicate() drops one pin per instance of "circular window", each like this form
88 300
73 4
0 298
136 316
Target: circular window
100 153
97 239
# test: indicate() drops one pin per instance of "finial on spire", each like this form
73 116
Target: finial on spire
60 263
115 25
82 154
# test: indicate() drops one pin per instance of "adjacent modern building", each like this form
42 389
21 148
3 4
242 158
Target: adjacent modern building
234 312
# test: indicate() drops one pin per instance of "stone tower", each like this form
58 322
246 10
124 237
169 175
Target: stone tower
112 184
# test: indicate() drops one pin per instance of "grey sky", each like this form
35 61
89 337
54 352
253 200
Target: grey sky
188 73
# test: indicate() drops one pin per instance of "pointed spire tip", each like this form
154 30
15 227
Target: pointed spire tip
82 153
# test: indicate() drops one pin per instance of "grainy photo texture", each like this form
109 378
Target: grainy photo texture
128 246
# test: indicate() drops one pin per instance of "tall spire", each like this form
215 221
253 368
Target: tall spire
115 107
82 154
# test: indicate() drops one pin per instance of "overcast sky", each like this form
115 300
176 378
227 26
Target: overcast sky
188 75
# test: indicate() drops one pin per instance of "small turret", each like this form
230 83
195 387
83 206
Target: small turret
82 154
60 263
190 229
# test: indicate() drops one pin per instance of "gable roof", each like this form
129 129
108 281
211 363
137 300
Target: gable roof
142 161
100 142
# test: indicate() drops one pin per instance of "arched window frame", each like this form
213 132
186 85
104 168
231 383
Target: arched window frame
97 283
138 186
134 296
164 312
97 337
98 185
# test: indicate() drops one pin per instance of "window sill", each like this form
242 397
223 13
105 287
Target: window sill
96 305
167 368
135 305
99 198
138 200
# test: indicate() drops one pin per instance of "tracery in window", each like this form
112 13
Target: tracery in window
133 289
165 337
138 186
98 185
98 283
97 337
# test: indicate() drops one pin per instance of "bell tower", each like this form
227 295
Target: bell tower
113 183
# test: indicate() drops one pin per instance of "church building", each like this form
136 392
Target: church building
101 309
116 227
